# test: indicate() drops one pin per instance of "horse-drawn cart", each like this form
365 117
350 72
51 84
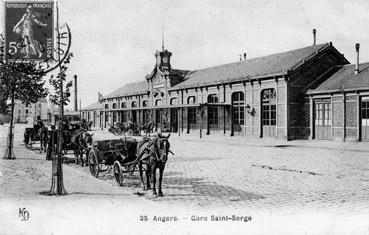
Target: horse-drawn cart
117 153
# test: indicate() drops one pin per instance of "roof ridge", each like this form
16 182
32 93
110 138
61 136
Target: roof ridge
261 57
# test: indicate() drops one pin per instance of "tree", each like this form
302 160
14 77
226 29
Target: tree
60 98
19 80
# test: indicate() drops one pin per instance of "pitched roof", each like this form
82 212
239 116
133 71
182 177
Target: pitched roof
129 89
345 79
275 64
93 106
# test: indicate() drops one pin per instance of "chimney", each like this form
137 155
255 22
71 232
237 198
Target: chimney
357 46
99 95
75 93
244 56
314 35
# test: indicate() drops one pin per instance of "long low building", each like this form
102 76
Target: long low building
270 96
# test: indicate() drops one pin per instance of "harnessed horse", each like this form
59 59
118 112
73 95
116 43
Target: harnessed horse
82 142
42 135
153 154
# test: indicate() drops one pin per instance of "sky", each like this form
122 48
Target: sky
114 41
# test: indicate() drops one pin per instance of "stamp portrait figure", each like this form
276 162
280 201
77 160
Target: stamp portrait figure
25 28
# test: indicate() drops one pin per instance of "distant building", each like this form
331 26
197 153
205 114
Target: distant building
36 111
93 113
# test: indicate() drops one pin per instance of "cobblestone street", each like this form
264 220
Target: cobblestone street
243 173
324 183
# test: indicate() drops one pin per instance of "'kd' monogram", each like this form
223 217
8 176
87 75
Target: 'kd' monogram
23 214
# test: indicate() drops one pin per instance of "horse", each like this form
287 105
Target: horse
42 135
82 142
154 154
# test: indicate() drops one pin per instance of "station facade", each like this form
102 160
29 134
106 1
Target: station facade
311 92
272 96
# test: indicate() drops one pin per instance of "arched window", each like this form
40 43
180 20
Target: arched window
213 98
158 102
134 104
238 103
144 103
106 106
173 101
268 112
191 100
114 106
124 105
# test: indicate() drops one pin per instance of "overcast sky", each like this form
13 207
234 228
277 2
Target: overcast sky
114 41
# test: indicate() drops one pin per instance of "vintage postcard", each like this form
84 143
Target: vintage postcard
184 117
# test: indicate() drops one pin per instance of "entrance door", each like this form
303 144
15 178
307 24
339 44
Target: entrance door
269 115
364 119
323 120
173 120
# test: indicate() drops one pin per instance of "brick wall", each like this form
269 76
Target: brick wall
298 102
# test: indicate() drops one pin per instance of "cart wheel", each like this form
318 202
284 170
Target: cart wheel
93 163
118 173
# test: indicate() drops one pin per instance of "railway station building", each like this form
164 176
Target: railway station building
310 92
339 103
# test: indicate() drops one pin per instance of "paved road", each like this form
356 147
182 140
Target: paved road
262 175
298 181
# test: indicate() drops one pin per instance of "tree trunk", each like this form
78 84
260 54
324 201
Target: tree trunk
9 154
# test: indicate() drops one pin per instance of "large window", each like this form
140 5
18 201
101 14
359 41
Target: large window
106 106
269 107
114 106
213 111
191 116
213 116
124 105
322 114
144 103
238 102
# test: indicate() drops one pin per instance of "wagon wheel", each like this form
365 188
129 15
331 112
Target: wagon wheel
93 163
118 173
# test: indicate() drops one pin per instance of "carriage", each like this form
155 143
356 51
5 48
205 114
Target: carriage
33 134
119 154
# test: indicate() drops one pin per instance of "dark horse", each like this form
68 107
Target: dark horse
82 142
154 154
43 137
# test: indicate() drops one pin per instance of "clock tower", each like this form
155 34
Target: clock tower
165 60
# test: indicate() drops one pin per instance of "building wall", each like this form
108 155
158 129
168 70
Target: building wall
346 118
35 110
298 102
